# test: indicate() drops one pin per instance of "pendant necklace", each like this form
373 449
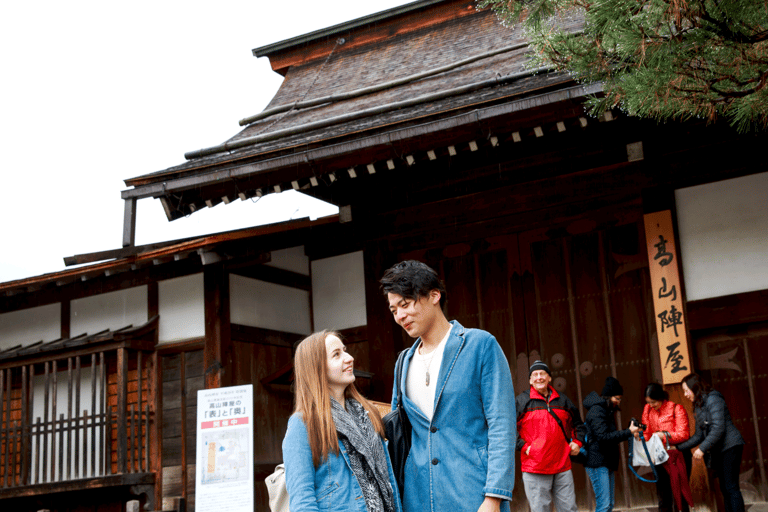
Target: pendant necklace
429 364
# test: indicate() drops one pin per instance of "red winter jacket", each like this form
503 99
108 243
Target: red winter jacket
550 450
670 417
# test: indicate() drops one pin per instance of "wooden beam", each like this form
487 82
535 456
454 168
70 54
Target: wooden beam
41 489
275 275
122 398
65 319
740 308
379 330
262 336
129 223
217 358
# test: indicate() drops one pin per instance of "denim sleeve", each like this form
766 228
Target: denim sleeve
498 397
299 468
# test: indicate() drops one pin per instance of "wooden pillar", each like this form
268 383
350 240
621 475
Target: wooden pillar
66 318
382 342
122 398
217 354
155 398
129 223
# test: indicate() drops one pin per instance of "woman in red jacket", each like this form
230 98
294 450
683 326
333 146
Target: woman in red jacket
669 422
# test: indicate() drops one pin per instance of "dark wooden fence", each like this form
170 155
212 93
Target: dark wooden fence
100 428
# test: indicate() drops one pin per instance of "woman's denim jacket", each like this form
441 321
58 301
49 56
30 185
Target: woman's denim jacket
467 451
332 486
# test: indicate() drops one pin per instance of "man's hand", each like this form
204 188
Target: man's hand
574 448
490 504
528 451
698 454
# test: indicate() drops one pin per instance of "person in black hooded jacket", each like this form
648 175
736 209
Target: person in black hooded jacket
603 440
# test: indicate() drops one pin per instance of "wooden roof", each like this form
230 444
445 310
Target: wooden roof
301 148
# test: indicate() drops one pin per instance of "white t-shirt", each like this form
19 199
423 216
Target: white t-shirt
416 381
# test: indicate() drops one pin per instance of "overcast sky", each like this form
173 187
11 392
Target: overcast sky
95 92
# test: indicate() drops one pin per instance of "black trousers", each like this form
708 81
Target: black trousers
726 468
664 492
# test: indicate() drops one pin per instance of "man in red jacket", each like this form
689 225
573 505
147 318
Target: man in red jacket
549 430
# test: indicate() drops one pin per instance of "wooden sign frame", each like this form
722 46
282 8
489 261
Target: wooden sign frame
671 321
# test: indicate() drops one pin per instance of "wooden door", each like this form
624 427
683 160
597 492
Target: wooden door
576 297
734 361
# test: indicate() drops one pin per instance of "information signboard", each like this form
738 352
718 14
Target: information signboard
224 475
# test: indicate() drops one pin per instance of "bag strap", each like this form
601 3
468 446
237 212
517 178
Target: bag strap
399 375
568 439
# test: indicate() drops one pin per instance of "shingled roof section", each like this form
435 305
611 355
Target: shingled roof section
428 36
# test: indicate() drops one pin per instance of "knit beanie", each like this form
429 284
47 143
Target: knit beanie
612 387
539 365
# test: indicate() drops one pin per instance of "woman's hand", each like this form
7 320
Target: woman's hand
698 454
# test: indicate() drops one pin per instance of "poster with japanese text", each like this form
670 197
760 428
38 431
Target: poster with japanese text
667 298
224 460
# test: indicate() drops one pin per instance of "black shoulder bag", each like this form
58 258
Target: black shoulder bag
397 428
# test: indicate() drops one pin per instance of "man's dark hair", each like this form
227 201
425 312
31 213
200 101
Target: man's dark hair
412 280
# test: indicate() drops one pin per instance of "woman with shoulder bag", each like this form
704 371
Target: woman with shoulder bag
717 437
334 452
669 422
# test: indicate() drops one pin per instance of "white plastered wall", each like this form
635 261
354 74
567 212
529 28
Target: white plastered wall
30 325
181 304
292 259
338 292
113 310
723 229
270 306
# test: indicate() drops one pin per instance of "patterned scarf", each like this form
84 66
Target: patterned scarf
366 454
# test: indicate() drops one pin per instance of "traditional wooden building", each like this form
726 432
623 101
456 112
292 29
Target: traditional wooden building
426 127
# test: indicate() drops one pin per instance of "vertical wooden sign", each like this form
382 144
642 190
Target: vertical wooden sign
667 298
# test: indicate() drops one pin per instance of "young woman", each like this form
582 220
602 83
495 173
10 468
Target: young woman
716 434
333 451
668 421
603 440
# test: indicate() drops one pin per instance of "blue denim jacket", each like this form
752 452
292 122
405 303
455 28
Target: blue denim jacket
467 451
332 486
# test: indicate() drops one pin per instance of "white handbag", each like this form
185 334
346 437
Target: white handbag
656 448
278 493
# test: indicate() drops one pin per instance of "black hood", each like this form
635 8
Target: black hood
594 399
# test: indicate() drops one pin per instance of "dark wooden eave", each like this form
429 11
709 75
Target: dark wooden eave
137 338
234 248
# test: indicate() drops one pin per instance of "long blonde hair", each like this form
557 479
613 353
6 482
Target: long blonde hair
313 397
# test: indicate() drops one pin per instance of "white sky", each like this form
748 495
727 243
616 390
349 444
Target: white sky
94 92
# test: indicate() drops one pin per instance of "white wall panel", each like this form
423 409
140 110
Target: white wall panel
292 259
338 292
30 325
723 229
113 310
271 306
181 303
